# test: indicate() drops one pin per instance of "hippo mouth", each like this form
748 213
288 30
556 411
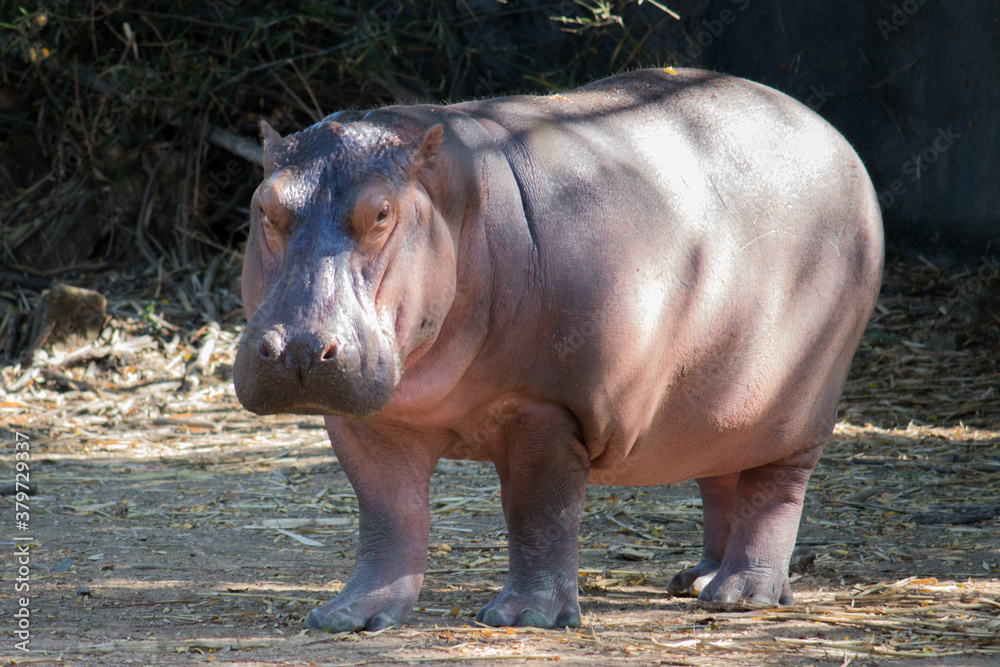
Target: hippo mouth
312 374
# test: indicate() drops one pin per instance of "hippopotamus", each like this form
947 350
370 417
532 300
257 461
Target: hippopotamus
656 277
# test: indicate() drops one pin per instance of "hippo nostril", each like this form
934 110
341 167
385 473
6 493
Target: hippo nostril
329 352
271 346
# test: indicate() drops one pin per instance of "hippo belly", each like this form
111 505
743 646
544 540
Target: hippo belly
712 285
653 278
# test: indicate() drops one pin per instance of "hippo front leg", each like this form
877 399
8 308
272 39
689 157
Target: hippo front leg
543 475
768 505
391 480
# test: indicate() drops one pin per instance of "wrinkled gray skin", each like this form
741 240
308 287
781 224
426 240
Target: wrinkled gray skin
649 279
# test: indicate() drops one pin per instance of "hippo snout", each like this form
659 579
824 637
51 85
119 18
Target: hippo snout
305 352
311 372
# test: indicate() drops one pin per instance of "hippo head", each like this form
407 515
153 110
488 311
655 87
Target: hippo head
349 269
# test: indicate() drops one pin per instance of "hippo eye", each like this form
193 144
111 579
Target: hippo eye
383 216
374 227
271 240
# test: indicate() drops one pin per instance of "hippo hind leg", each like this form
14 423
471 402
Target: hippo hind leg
718 494
765 521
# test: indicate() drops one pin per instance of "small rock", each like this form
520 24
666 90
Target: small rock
64 314
120 510
803 564
942 342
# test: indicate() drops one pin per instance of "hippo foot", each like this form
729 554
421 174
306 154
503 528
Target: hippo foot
748 589
692 581
355 616
523 612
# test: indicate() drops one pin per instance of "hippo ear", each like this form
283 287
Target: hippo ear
333 126
269 137
424 149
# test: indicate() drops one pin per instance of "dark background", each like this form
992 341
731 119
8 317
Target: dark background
128 129
915 87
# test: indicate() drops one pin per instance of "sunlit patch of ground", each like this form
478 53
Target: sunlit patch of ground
170 526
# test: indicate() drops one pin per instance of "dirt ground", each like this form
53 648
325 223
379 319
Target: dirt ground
171 527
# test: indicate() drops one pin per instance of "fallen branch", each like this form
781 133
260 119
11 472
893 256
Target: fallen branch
958 517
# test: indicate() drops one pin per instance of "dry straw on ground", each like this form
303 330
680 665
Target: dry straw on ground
170 525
